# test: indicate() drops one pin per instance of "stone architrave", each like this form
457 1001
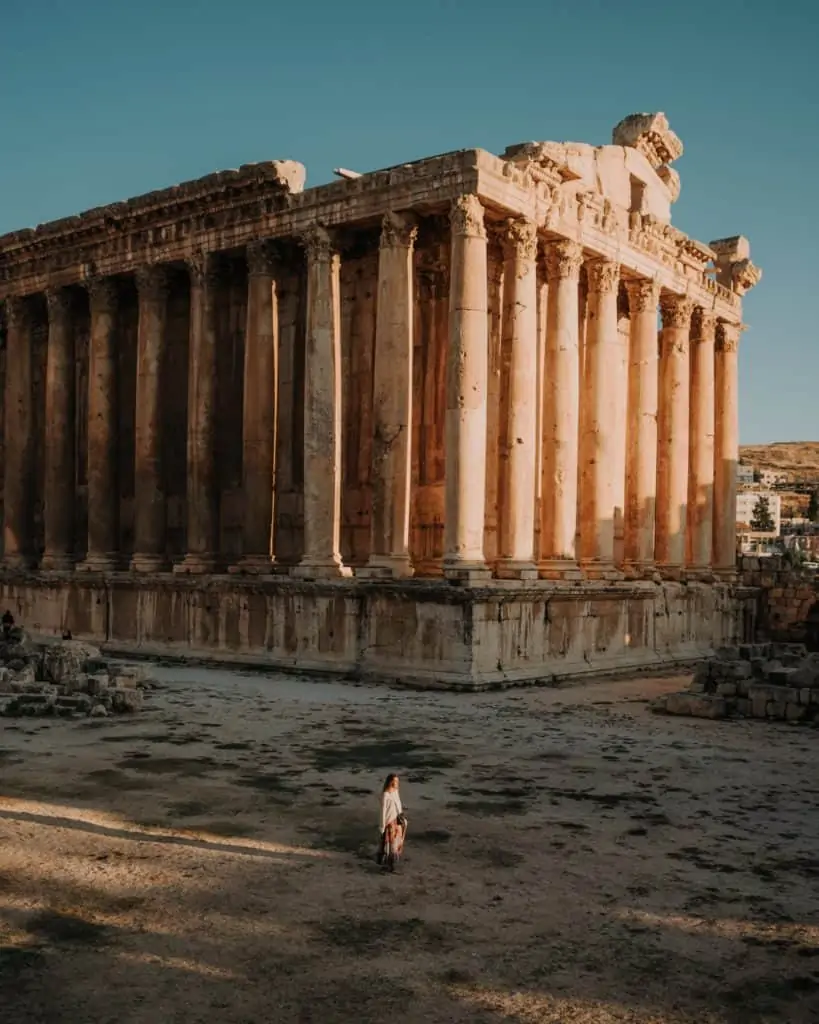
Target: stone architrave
392 401
201 492
103 488
672 434
260 409
601 429
18 469
322 412
561 413
149 490
726 446
517 517
700 526
641 429
466 395
59 493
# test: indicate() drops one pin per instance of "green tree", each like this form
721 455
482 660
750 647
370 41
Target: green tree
813 506
762 521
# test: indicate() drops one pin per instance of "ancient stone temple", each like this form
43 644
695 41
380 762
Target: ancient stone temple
466 421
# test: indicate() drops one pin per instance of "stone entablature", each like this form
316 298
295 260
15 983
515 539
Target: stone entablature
450 367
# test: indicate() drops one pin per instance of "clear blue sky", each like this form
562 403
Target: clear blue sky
101 100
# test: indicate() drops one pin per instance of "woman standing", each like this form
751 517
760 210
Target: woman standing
393 824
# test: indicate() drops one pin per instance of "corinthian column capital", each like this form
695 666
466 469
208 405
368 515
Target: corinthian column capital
643 295
103 294
262 259
676 310
319 243
466 217
603 276
152 282
563 259
728 335
398 231
16 311
58 302
520 239
703 324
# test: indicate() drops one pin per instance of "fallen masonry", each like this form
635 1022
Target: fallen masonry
65 679
771 681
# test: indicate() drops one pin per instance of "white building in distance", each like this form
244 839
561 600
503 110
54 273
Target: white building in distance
746 503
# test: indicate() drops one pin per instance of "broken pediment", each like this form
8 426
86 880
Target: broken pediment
732 262
651 136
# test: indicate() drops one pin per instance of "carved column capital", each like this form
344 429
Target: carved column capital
466 217
676 310
520 239
643 295
703 324
728 335
58 301
398 231
564 259
319 243
16 311
103 294
203 268
262 259
152 282
603 276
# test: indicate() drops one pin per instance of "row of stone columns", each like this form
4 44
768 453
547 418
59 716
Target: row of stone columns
665 455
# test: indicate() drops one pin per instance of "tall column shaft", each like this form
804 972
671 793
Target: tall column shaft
201 493
641 430
672 434
561 413
466 394
518 454
149 488
726 446
259 410
700 526
103 485
59 492
18 469
322 412
600 427
392 401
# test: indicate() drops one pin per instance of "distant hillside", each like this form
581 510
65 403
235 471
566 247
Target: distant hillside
799 459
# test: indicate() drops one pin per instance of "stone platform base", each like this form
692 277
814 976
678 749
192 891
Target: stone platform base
422 633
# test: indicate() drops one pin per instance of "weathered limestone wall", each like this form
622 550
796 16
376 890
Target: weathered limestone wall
421 633
786 599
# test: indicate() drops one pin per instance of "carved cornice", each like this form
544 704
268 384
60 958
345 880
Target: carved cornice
58 302
643 295
727 336
520 239
152 282
703 325
603 275
676 310
319 244
563 260
262 259
398 231
466 217
103 294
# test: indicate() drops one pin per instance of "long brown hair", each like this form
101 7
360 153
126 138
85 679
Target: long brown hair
392 777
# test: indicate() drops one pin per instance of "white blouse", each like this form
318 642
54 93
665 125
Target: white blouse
390 808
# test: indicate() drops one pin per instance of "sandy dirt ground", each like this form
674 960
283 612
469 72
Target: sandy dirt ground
571 859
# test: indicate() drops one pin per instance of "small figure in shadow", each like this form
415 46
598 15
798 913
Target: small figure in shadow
67 634
393 825
7 622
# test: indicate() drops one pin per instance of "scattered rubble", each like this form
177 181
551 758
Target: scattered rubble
773 681
66 679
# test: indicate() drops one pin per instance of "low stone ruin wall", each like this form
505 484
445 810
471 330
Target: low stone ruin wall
67 679
787 597
770 681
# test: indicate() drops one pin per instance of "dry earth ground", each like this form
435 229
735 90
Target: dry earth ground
572 858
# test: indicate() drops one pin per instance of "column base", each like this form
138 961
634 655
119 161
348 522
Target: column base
253 565
196 565
700 573
99 563
56 562
148 563
466 571
17 562
724 575
675 573
386 567
321 569
597 569
559 569
512 569
641 571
